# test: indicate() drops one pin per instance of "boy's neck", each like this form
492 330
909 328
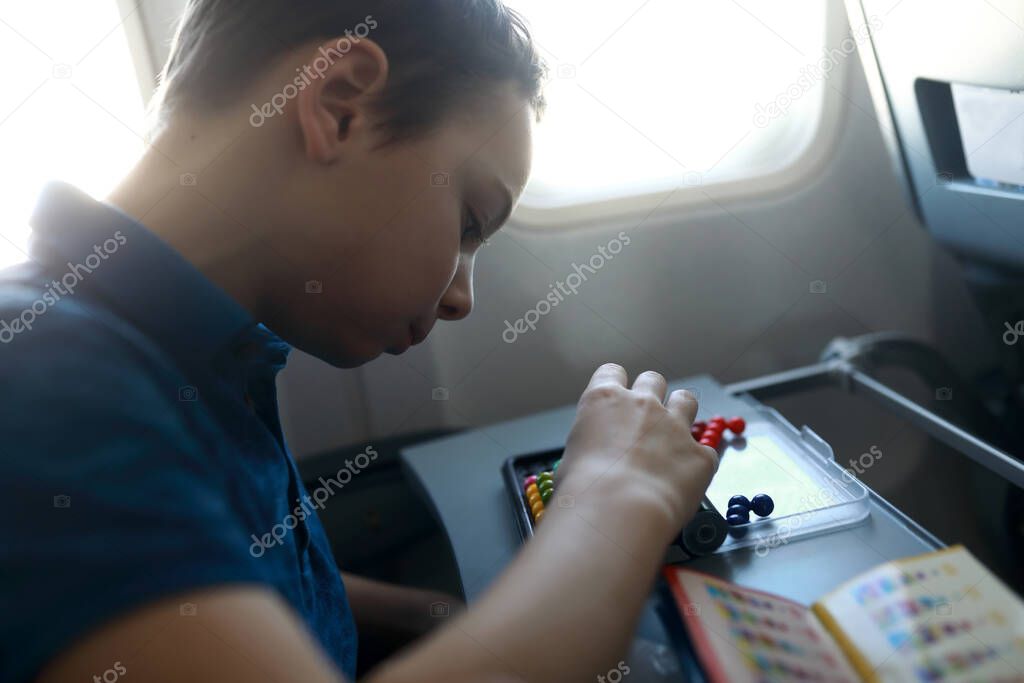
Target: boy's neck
183 190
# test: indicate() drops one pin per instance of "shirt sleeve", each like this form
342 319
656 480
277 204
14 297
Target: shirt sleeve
112 502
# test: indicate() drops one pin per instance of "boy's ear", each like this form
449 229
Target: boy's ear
336 108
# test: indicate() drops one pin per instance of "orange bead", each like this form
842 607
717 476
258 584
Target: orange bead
539 516
536 507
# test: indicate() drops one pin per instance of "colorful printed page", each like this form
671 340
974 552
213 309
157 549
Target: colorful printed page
747 636
936 617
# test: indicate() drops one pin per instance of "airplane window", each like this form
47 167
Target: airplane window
648 96
72 108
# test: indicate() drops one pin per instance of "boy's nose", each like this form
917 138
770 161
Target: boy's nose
457 302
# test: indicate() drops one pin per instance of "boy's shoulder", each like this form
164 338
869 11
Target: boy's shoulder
69 363
43 322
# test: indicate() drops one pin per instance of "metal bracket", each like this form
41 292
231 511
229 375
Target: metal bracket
843 374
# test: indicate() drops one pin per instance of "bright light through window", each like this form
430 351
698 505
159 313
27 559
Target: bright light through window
646 96
70 108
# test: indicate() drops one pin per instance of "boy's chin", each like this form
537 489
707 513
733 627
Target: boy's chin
344 358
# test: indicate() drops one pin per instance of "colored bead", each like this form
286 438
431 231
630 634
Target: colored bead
554 468
738 511
736 520
715 428
762 505
539 516
545 476
536 507
546 494
533 498
717 420
529 480
547 485
740 501
736 425
532 488
711 438
700 424
696 432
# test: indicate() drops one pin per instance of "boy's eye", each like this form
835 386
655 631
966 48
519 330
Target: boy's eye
472 229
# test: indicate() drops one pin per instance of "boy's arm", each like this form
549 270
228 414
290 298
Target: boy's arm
568 606
389 617
243 634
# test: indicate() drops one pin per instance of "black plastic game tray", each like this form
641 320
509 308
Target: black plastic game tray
702 536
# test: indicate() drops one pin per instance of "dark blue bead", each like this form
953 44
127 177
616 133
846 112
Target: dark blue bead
740 511
736 520
762 505
741 501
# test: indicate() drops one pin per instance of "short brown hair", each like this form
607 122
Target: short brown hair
441 52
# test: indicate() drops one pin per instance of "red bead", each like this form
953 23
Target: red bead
715 428
737 425
711 439
701 425
717 420
696 433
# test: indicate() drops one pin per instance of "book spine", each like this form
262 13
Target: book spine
856 658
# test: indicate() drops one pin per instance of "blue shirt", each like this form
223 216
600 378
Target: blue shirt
141 455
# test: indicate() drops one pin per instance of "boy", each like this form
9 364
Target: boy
326 169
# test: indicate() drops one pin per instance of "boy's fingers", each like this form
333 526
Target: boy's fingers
651 382
683 404
608 374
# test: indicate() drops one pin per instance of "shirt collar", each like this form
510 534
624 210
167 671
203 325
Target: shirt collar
143 278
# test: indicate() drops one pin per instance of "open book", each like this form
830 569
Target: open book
936 617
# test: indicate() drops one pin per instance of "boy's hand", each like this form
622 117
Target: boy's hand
631 449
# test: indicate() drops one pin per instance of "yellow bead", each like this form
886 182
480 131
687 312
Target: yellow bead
539 516
536 507
532 488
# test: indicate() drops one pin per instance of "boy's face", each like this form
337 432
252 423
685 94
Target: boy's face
377 244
